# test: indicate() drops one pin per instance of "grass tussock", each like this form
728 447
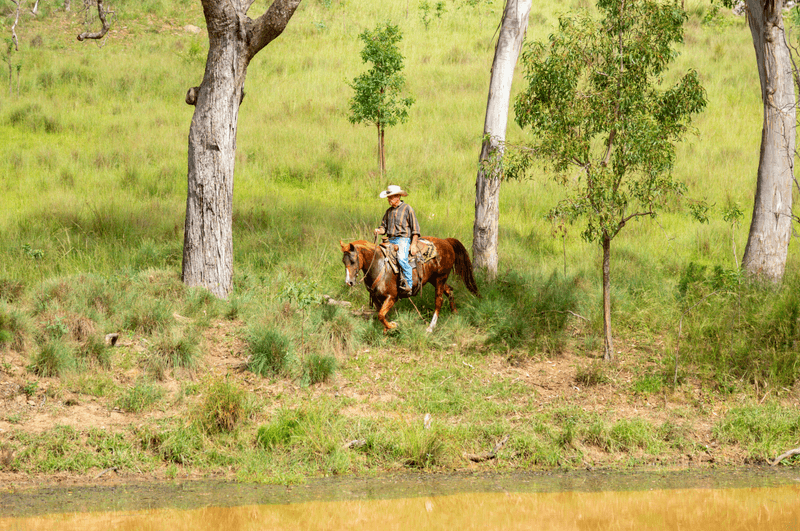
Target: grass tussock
222 409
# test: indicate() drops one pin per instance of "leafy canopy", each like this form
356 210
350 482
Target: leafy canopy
593 103
377 91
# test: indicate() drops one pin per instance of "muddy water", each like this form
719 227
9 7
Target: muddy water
762 500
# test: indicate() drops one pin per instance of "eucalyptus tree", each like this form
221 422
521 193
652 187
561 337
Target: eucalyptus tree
487 184
601 122
234 39
377 100
771 224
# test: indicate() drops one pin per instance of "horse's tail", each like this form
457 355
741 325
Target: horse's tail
463 265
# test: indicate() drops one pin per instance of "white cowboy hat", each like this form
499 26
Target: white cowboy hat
392 189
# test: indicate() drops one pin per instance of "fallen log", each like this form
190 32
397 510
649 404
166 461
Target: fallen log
487 456
783 456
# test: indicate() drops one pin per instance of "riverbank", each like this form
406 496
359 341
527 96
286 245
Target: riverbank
437 408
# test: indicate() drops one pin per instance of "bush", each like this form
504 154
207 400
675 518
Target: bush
280 431
318 368
53 359
222 409
140 396
172 348
270 352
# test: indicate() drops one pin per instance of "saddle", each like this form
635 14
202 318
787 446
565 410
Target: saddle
426 251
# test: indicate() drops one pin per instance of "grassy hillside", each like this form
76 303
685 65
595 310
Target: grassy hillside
92 195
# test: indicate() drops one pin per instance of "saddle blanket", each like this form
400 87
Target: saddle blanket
426 251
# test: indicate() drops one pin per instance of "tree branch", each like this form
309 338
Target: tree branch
783 456
101 13
270 25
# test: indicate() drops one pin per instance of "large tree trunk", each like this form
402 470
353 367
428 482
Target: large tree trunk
487 184
771 226
234 39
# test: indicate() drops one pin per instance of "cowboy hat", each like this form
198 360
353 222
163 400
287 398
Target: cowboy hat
393 189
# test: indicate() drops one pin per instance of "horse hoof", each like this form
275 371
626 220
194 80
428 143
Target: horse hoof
429 330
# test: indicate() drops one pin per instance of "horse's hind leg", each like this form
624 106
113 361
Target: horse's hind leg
441 288
448 290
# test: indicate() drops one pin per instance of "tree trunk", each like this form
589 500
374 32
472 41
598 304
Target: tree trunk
381 151
487 184
771 225
234 39
608 344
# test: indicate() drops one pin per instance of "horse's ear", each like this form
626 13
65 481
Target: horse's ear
345 247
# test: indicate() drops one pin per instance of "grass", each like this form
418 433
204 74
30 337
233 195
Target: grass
93 233
223 408
140 396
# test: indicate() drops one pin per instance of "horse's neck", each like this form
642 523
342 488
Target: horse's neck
370 262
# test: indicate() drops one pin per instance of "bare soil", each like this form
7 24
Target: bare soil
552 382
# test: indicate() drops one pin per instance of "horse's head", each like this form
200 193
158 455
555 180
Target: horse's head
351 261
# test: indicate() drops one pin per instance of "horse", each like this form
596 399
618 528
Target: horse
382 282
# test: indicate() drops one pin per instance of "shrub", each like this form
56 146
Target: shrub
420 448
13 327
222 409
279 431
140 396
172 348
96 351
317 368
147 315
270 352
53 359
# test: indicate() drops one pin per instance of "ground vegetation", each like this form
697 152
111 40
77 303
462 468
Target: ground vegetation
276 384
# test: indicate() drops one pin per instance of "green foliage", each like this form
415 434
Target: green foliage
765 431
318 368
13 327
522 312
745 332
427 10
270 352
377 100
54 358
588 107
30 388
140 396
280 430
96 351
592 104
172 348
222 409
592 374
420 448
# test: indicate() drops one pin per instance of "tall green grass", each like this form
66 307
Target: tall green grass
93 188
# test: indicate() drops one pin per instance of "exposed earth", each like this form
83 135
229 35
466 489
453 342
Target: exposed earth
552 382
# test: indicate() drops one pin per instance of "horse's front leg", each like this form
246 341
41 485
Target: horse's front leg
384 311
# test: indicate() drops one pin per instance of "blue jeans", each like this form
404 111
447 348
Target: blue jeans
402 257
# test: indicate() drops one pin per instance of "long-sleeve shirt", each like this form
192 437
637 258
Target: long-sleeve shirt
400 221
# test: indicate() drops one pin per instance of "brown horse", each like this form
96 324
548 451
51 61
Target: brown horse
381 280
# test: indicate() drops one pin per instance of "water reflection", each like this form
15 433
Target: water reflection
724 509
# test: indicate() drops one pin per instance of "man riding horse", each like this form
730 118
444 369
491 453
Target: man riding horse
399 223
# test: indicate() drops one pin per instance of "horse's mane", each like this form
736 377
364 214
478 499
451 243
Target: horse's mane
364 243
